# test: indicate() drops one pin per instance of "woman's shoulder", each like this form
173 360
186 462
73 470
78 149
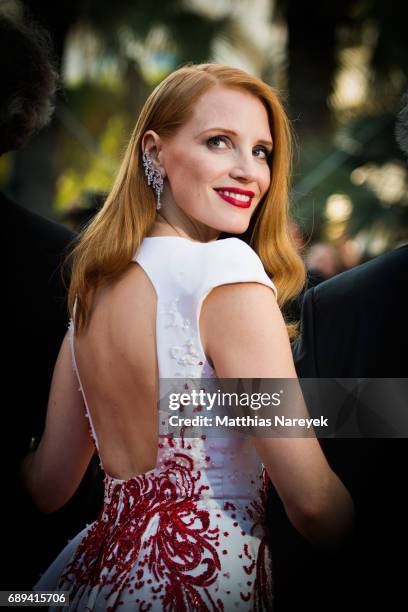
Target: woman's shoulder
239 276
198 267
233 261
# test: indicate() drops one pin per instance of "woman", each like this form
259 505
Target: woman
182 523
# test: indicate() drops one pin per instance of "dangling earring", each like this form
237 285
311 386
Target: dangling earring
154 177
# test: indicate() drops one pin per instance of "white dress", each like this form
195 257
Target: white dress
189 534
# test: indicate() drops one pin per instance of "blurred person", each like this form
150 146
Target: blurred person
155 295
35 319
322 262
80 213
349 253
353 326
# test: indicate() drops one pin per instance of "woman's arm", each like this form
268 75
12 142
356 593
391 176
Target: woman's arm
52 473
244 336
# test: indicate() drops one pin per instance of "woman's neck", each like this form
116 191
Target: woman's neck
190 230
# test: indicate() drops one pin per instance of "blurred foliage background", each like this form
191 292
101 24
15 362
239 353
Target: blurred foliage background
340 68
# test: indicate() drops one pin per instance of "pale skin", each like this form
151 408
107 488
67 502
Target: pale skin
226 143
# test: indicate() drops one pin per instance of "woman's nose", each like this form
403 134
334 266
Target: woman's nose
244 168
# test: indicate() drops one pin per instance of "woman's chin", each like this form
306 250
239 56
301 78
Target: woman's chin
237 227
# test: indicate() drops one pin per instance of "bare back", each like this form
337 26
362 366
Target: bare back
117 363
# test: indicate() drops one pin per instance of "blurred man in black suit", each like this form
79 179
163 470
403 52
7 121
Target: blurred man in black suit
354 326
35 316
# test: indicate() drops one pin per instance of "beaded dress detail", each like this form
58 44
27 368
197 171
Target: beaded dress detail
189 534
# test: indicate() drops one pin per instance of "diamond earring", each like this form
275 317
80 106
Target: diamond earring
154 177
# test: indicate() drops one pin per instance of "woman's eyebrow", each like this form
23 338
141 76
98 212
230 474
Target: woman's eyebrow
268 143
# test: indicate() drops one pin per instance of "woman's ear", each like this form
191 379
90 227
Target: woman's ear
152 144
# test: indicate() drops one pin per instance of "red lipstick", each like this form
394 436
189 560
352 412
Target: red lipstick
225 193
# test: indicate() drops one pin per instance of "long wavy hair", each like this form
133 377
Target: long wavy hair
105 247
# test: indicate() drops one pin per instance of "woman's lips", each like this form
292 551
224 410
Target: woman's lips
234 201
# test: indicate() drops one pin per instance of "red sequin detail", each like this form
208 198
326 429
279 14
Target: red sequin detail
182 542
229 506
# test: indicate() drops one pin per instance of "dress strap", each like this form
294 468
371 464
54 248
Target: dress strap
183 273
178 266
230 261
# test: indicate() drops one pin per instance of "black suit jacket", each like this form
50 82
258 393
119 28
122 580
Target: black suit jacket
354 325
33 325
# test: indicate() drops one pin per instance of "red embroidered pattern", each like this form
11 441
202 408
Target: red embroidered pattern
180 554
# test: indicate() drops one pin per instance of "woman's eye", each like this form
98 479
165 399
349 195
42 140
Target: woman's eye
214 140
265 153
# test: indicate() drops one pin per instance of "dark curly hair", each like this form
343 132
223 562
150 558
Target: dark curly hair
28 82
401 128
